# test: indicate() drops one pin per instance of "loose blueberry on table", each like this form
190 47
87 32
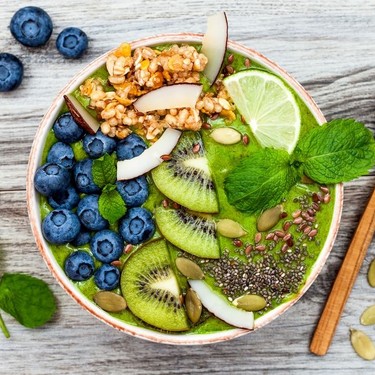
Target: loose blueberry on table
31 26
11 72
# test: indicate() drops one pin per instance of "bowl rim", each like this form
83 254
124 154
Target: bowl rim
34 212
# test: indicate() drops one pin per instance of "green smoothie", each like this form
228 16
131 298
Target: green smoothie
258 263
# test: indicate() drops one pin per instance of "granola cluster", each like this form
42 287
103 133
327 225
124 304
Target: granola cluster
132 75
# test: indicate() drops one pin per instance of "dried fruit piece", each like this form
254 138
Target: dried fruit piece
230 228
371 274
269 218
250 302
368 316
189 269
226 136
362 344
193 306
110 301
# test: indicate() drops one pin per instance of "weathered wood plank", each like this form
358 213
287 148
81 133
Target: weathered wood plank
327 46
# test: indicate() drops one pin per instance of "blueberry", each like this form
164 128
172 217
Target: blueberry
97 145
82 238
134 192
130 147
60 226
67 198
51 178
107 277
88 213
79 266
31 26
67 130
62 154
72 42
137 226
11 72
82 172
106 246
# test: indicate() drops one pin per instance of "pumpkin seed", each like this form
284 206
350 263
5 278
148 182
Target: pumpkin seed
230 228
269 218
250 302
368 316
226 136
110 301
193 306
371 274
189 269
362 344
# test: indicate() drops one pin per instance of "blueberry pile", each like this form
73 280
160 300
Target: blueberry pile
75 217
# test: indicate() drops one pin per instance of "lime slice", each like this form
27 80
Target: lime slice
268 106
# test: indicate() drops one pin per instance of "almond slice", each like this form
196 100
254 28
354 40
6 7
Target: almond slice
179 95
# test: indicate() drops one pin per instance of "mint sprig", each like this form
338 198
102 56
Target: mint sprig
338 151
104 170
266 176
28 299
111 205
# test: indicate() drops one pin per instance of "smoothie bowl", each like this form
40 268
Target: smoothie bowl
136 199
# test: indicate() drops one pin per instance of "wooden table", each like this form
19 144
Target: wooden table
327 45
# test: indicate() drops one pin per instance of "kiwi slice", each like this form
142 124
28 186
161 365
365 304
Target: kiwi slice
151 290
189 232
186 177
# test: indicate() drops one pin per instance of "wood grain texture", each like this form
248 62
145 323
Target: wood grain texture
327 46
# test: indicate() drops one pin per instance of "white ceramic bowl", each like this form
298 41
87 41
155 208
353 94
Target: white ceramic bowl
34 212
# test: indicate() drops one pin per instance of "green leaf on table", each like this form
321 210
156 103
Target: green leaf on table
111 205
338 151
28 299
261 180
104 170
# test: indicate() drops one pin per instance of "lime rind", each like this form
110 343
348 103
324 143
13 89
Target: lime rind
268 106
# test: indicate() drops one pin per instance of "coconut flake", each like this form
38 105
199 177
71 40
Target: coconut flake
214 44
80 115
150 158
179 95
220 307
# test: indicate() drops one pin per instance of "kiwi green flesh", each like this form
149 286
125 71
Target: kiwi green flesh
193 234
186 178
151 290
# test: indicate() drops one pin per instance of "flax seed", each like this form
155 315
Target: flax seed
327 198
236 242
206 125
230 59
287 225
297 220
296 214
260 247
247 63
166 157
128 248
270 236
324 189
313 233
196 148
245 139
248 249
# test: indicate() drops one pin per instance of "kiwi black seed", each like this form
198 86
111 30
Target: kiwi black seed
151 290
186 177
188 231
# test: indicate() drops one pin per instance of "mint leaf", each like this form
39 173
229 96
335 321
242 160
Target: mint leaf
111 205
28 299
261 180
338 151
104 170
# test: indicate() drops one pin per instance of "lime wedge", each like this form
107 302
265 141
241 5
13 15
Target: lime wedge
268 106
